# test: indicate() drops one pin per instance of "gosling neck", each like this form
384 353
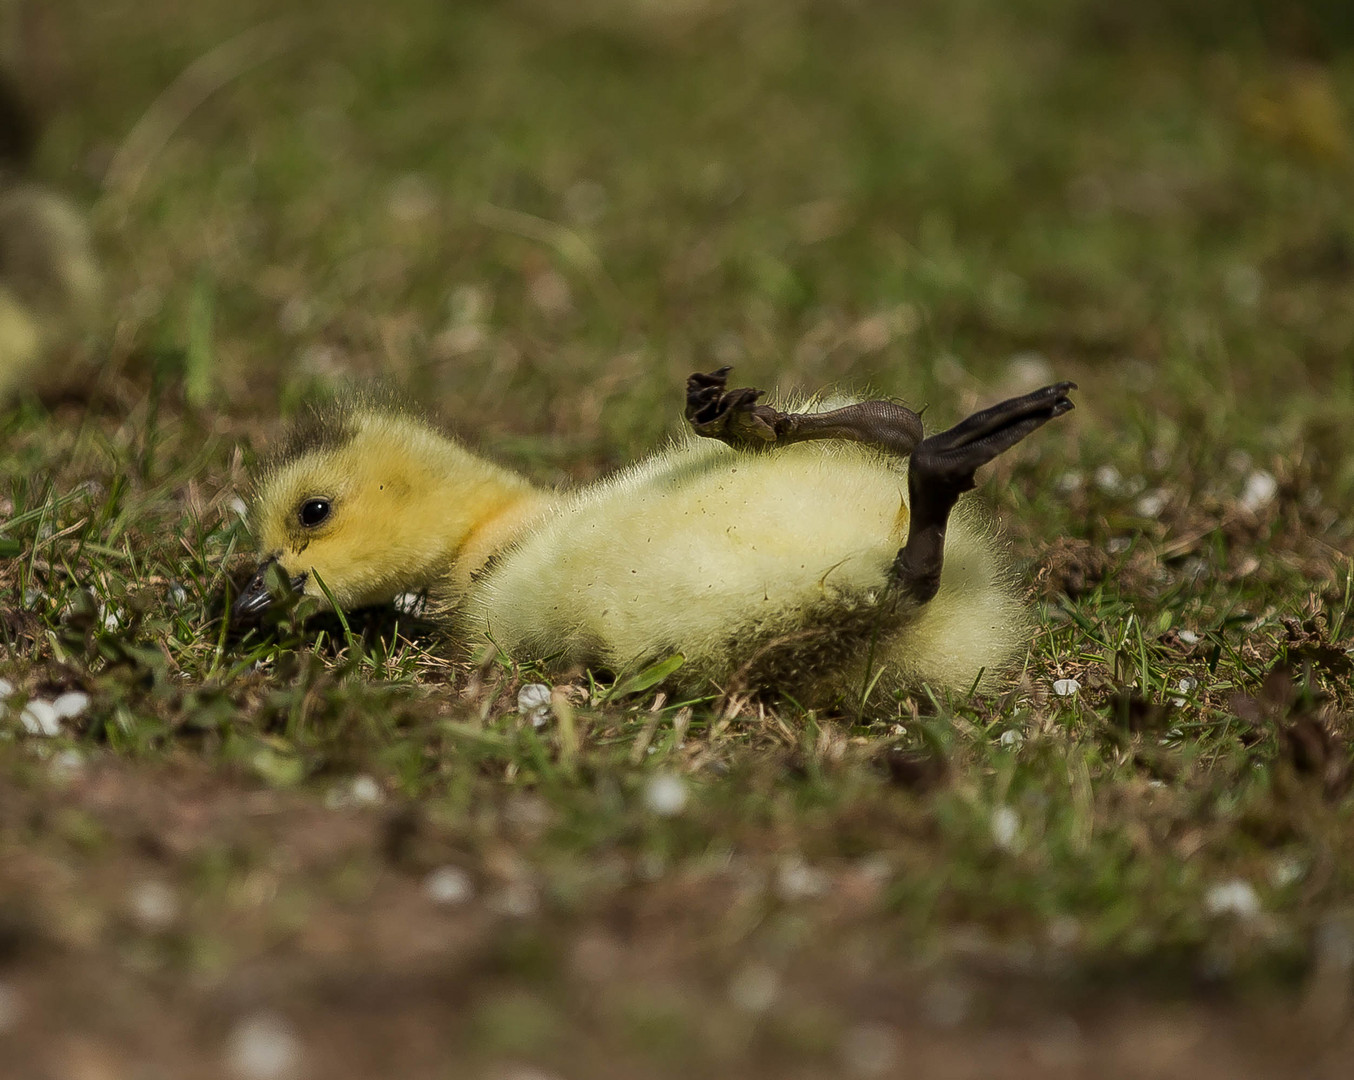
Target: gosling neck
479 509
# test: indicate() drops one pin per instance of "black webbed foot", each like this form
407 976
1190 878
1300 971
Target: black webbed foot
735 417
949 458
942 468
731 416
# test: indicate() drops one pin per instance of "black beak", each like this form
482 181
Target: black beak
257 595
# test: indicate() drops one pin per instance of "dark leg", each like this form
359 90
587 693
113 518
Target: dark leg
734 417
941 469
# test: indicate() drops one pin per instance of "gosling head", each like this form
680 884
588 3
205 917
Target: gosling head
370 500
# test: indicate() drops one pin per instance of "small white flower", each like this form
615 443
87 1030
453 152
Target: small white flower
665 794
178 595
1153 503
755 988
263 1047
154 904
1005 828
365 791
361 790
1235 897
797 880
39 718
1186 684
533 702
70 704
1011 738
1109 480
449 885
1189 637
1066 687
1287 871
1259 491
1070 483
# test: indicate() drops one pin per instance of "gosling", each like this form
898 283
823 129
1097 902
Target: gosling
775 552
50 282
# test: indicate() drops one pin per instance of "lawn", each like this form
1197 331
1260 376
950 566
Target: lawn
335 848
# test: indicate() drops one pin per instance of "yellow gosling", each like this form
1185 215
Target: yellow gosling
50 282
807 553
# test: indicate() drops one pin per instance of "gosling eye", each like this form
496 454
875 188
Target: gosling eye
314 512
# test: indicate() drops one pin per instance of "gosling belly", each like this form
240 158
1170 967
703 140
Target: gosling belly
751 566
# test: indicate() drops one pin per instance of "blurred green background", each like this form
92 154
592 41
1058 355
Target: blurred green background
541 215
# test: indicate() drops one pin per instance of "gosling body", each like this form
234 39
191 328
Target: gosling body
767 569
760 570
50 283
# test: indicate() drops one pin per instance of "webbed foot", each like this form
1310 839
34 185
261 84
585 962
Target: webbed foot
942 468
948 459
731 416
736 418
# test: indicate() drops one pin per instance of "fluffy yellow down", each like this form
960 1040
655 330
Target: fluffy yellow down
49 281
731 559
765 571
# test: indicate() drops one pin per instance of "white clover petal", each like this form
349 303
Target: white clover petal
666 794
797 880
71 704
1259 492
533 696
448 886
1005 828
1235 897
263 1047
1153 503
39 718
1066 687
1109 480
365 791
1069 483
154 904
533 702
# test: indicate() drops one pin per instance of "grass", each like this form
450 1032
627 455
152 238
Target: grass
538 217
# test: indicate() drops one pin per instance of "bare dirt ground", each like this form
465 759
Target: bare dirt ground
338 955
